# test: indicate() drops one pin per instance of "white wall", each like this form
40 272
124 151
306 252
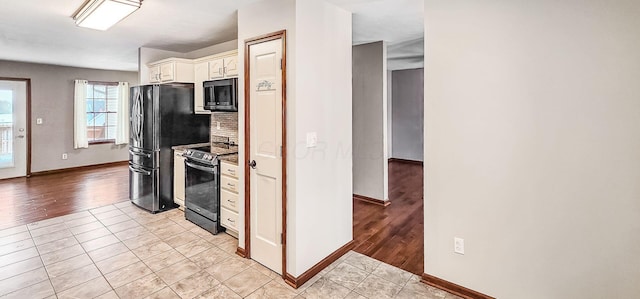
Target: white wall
408 114
214 49
532 118
370 151
324 202
254 20
52 100
318 100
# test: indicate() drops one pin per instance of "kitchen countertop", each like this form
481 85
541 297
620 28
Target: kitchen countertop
187 146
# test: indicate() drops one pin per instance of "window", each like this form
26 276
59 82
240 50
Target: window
102 109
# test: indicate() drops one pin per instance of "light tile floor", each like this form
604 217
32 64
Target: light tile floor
120 251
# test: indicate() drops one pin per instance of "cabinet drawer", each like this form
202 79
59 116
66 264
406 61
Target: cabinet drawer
229 169
229 200
228 219
229 183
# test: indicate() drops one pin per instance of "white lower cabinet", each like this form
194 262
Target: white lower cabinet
178 178
229 220
229 197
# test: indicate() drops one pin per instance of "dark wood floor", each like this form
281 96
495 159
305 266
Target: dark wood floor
394 234
26 200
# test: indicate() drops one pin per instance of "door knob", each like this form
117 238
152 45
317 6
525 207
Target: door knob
252 164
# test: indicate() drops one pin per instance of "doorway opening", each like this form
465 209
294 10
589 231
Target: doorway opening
388 108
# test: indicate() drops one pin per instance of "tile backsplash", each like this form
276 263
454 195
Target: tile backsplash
228 125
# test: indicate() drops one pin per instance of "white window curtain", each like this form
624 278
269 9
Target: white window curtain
80 115
122 127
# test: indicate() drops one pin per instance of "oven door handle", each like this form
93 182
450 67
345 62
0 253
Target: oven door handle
198 167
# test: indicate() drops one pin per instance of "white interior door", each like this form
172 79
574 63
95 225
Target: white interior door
265 149
13 129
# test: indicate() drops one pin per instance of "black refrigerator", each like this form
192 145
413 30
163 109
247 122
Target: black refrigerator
161 116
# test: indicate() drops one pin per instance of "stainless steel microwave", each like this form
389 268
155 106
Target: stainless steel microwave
221 95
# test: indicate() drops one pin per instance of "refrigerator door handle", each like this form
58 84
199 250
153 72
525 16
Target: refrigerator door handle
136 170
139 154
137 117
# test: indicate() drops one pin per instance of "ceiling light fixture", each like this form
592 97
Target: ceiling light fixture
102 14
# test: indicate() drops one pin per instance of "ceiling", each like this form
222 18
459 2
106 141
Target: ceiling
42 31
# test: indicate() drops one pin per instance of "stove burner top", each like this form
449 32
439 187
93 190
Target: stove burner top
202 155
209 155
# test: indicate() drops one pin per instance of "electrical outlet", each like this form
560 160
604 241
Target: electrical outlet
38 121
218 125
64 156
458 245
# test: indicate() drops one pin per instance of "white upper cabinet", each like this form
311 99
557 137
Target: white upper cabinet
201 74
154 74
223 65
216 69
171 70
231 66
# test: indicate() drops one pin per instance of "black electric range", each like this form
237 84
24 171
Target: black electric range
202 185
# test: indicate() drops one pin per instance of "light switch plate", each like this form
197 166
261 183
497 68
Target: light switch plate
458 245
312 139
38 121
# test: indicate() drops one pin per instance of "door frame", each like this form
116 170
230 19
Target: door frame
28 117
247 143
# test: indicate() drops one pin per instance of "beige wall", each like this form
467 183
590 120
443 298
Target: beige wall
370 148
52 100
532 148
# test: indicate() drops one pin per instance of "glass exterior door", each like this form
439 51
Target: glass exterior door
13 129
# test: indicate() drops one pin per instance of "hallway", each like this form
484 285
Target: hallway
394 234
